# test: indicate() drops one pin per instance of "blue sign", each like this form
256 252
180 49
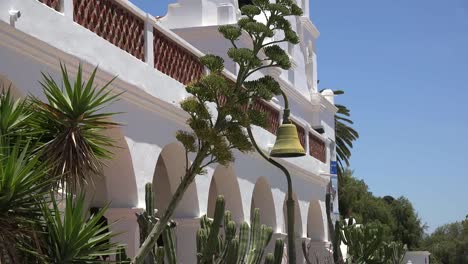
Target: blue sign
333 167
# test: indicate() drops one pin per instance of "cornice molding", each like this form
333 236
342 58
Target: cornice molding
309 26
48 55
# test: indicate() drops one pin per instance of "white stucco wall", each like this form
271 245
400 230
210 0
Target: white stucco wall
151 118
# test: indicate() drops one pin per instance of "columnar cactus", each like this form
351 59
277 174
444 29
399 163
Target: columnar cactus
146 220
246 248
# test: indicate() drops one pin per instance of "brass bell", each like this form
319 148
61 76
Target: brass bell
287 144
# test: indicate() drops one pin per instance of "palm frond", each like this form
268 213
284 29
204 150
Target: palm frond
23 184
71 237
72 123
345 135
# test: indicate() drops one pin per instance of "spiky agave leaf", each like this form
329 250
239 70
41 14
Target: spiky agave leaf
14 115
72 238
72 124
23 184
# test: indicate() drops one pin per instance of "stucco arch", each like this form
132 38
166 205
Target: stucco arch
170 168
117 185
297 216
224 182
316 221
262 198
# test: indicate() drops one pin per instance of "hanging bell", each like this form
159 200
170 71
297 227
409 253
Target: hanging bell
287 143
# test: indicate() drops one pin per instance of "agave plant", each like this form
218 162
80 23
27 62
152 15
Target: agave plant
23 184
14 116
72 238
72 123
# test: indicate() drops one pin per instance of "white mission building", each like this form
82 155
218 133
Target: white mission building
154 58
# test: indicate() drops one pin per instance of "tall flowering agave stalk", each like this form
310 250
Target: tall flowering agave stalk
214 136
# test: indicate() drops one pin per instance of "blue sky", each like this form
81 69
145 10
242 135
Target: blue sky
404 67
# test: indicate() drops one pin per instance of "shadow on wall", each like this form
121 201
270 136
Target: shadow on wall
297 217
118 186
224 182
170 167
262 199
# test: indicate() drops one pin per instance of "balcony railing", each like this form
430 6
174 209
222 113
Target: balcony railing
125 28
175 60
113 23
54 4
317 148
301 133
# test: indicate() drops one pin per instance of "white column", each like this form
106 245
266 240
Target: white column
124 222
67 8
149 52
186 231
307 129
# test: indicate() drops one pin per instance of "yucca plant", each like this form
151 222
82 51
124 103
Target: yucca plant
14 117
72 124
71 237
23 184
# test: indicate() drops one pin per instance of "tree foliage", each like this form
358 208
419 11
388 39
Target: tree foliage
448 243
397 216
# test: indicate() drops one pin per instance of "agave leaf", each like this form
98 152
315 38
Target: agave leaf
72 123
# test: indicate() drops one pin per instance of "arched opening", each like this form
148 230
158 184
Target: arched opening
316 222
297 217
119 173
117 184
170 168
262 199
224 182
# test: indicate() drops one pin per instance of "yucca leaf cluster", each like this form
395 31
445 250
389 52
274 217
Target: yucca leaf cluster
52 149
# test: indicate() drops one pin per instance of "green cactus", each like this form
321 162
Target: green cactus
246 248
363 242
392 252
146 220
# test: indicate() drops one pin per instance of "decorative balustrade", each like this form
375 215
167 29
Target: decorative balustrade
55 4
174 60
317 148
272 115
301 133
126 30
113 22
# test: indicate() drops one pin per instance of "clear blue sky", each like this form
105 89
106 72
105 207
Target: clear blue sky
404 67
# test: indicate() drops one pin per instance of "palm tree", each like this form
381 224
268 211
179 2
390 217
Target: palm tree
344 135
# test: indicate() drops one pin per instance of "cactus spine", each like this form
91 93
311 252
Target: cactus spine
246 248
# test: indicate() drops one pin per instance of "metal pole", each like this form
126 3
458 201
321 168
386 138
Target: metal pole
289 201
